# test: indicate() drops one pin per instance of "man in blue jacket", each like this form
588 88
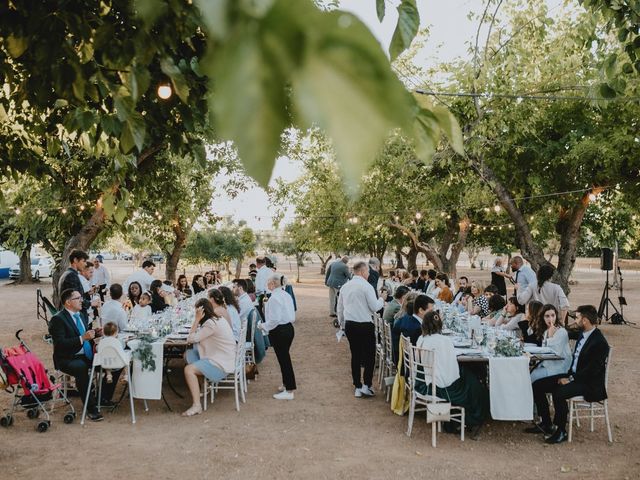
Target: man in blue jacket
336 276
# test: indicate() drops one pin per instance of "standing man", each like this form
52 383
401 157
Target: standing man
264 272
144 276
337 275
70 279
586 377
524 275
374 273
244 300
356 305
101 278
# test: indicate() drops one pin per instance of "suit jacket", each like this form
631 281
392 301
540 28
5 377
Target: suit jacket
71 280
65 336
591 367
338 274
374 276
407 325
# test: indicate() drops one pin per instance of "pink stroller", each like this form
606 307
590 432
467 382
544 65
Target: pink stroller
31 387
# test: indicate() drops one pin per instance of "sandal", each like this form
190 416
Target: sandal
192 411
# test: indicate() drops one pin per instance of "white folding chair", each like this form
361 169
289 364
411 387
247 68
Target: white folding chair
234 381
250 349
113 359
579 408
405 351
423 368
388 368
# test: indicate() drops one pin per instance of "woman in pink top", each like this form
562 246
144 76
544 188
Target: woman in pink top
214 355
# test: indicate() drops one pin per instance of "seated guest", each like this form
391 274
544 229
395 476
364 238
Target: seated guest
244 301
208 279
442 284
112 310
183 290
133 293
407 301
490 290
545 291
462 286
556 338
143 309
233 308
110 339
251 289
405 278
532 326
430 286
585 377
158 297
513 313
415 276
197 284
394 305
478 303
73 347
453 383
422 281
220 306
496 305
214 354
411 324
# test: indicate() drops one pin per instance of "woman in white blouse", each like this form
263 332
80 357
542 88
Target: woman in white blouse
279 318
512 316
452 382
213 355
556 338
546 292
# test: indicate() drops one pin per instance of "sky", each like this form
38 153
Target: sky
450 30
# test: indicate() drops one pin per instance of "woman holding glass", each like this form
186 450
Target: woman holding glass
556 338
214 353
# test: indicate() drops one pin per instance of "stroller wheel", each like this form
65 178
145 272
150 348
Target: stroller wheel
33 413
69 418
43 426
6 421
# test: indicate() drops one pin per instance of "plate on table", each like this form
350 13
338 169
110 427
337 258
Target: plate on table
535 350
471 352
462 343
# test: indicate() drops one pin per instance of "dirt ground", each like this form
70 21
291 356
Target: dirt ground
325 432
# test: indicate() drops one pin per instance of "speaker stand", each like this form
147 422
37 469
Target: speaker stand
605 301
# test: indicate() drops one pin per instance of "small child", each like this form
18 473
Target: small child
109 339
142 309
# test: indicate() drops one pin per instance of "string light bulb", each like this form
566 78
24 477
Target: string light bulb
39 212
82 207
64 211
17 211
497 208
165 91
418 215
303 221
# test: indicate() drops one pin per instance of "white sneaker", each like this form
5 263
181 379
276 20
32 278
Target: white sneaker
358 393
367 391
283 395
281 388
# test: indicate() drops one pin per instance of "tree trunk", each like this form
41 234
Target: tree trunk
399 260
25 266
80 241
323 263
179 242
569 229
412 256
239 267
298 265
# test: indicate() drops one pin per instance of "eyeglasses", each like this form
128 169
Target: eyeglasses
75 298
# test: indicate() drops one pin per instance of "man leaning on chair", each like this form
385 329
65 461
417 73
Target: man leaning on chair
586 378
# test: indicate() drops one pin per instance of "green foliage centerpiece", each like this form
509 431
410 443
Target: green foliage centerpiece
507 347
144 353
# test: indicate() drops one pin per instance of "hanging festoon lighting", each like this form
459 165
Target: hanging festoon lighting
165 91
497 208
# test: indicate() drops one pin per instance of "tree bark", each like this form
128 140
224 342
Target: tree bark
569 229
239 268
323 263
179 242
25 266
412 256
399 260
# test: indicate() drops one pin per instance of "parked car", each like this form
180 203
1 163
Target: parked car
40 267
156 257
125 256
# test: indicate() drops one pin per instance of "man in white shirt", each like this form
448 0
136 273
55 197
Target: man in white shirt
524 274
112 310
262 275
356 305
101 278
144 276
244 300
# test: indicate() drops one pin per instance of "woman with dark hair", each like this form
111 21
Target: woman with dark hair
251 289
183 287
233 309
209 278
442 284
213 355
513 313
219 305
158 297
546 292
532 326
496 304
134 292
452 382
197 284
556 338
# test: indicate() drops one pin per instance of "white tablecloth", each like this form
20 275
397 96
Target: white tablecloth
145 383
510 389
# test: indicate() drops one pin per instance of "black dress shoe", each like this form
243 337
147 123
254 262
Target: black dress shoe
95 417
540 428
107 403
558 437
474 432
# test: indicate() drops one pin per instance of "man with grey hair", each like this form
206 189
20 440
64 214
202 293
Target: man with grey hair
336 276
356 305
374 273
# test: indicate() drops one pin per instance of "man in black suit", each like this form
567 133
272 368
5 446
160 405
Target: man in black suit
585 377
73 347
374 273
70 279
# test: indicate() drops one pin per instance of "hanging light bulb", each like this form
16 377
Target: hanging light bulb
443 214
531 218
497 208
487 209
354 220
397 217
164 91
303 221
82 207
39 212
549 210
64 211
17 211
592 197
418 215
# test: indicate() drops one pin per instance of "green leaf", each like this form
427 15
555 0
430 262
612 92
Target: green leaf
120 214
449 125
16 45
170 69
380 4
127 142
108 204
249 104
606 91
406 29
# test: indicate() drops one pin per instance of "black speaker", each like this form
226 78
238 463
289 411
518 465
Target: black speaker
606 259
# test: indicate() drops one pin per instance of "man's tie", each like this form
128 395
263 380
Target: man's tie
86 346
